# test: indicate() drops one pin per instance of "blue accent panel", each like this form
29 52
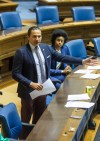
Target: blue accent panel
47 14
83 13
96 42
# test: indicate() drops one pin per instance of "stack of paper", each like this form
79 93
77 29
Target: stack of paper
78 97
73 101
79 104
83 71
94 67
48 87
91 76
88 73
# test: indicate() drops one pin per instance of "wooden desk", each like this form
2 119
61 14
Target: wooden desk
64 6
7 5
55 123
11 40
75 30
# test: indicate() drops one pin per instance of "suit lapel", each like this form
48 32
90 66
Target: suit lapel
43 51
30 55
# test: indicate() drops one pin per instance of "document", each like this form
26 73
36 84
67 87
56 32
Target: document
94 67
90 76
83 71
48 87
78 97
79 104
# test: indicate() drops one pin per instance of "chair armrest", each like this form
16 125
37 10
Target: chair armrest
89 56
93 57
12 139
98 55
54 80
90 49
26 129
27 124
16 139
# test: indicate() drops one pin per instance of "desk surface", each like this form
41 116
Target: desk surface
69 26
55 122
70 1
75 30
49 28
11 40
7 5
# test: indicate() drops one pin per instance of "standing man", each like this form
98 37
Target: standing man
27 71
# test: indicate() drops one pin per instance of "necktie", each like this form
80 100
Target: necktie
43 75
58 65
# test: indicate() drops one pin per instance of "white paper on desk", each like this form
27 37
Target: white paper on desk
94 67
79 104
48 87
83 71
78 97
90 76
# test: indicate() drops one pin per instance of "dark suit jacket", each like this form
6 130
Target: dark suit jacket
24 68
53 70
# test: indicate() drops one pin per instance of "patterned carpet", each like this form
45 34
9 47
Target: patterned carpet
97 137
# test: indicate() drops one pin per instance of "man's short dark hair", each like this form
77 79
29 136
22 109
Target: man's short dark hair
32 28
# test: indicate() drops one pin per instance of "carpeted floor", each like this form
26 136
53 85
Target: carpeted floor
26 9
97 137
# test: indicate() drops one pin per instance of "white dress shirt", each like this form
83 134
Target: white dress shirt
37 62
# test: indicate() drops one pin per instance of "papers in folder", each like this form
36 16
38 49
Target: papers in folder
83 71
73 101
78 97
91 76
79 104
48 87
94 67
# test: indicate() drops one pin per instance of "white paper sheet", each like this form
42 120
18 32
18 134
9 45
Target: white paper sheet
90 76
48 87
78 104
94 67
78 97
83 71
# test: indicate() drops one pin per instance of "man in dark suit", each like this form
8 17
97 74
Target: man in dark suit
26 70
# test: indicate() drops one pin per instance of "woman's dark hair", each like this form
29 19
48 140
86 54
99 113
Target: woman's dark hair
57 33
32 28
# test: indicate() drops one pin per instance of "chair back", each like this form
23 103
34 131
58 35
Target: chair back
96 42
83 13
11 125
10 20
76 48
47 14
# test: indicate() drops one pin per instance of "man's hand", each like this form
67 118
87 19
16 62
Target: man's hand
36 86
89 61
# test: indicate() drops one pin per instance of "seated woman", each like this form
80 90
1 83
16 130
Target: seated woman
58 69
